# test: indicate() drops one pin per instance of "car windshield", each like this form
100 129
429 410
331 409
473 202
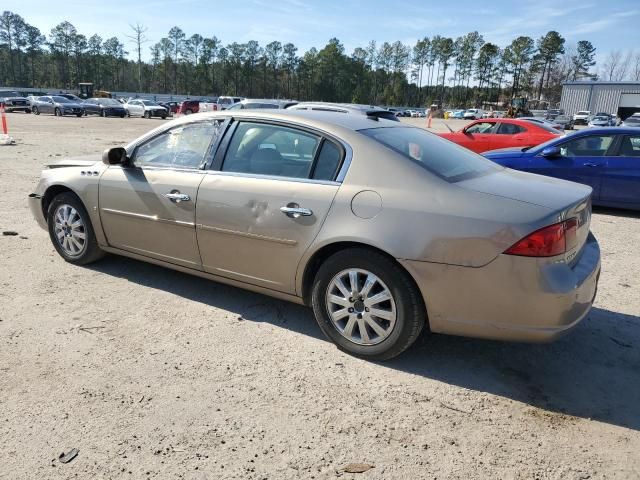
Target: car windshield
601 118
439 156
109 101
9 93
583 113
150 103
58 99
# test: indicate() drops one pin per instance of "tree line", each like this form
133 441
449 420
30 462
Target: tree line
463 71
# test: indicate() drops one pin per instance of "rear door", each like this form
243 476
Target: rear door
509 135
621 174
265 201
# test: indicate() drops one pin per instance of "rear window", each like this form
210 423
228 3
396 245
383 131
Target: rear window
439 156
547 127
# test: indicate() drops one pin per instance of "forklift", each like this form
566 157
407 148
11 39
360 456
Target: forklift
85 90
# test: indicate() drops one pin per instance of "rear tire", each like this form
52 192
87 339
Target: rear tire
71 231
188 111
103 113
401 317
35 111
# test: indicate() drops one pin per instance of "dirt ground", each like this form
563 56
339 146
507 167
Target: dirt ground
156 374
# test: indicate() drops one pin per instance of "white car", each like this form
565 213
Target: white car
222 104
145 108
582 116
473 114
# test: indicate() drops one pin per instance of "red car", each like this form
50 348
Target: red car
188 107
494 133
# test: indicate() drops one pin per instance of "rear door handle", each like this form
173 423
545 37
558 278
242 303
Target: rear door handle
177 197
293 210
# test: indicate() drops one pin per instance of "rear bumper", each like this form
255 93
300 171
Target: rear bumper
35 205
512 298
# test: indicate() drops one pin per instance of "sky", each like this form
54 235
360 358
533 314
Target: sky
609 25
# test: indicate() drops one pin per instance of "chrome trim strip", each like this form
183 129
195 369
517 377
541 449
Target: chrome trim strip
271 177
255 236
153 218
245 276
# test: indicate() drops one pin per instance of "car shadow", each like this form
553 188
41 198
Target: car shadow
616 212
592 373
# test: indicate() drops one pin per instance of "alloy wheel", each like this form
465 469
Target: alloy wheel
70 230
361 307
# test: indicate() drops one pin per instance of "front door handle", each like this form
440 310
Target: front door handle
293 210
176 196
590 164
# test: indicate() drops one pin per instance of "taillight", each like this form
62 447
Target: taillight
549 241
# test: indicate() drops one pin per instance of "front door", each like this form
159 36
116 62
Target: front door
581 160
259 213
149 206
477 136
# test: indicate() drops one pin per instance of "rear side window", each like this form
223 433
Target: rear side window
437 155
275 150
510 129
630 147
328 162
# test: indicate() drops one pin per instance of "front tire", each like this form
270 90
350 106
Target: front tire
71 231
367 304
147 115
35 111
57 112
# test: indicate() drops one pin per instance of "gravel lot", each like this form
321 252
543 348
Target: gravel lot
151 373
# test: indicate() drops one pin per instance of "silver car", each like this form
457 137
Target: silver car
384 229
58 106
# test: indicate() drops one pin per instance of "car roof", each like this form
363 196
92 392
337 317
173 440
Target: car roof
604 130
352 107
321 120
269 100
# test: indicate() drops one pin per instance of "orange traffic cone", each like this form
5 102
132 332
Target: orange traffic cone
5 139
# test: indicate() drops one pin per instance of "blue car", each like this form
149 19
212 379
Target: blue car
607 159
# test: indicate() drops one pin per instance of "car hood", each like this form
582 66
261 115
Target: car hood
511 152
82 161
548 192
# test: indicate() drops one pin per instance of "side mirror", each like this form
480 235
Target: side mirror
115 156
551 152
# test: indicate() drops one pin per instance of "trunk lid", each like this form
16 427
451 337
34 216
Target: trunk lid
565 200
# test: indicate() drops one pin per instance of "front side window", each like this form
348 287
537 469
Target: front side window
264 149
437 155
181 147
481 127
591 146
